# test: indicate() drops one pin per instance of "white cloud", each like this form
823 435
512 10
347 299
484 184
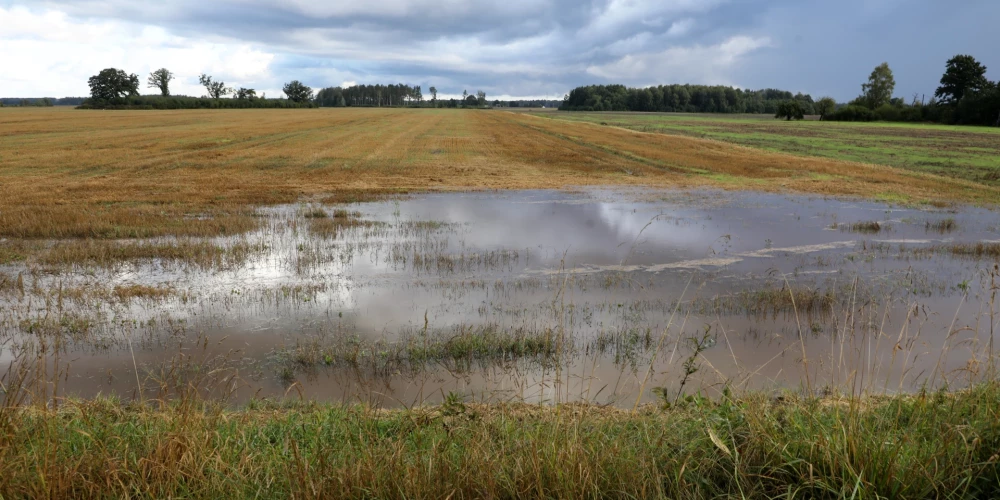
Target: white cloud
680 28
619 15
54 55
409 8
711 65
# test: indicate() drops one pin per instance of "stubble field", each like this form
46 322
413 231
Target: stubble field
124 174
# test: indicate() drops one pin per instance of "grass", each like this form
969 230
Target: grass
975 250
865 227
766 300
325 225
111 253
458 348
942 226
922 446
952 151
136 174
979 250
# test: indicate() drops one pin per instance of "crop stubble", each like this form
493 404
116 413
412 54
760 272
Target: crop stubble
67 173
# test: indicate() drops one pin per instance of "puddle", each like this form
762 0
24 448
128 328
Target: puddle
598 296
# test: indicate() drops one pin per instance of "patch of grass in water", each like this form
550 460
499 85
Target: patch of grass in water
126 293
941 226
771 301
865 227
975 250
457 347
110 253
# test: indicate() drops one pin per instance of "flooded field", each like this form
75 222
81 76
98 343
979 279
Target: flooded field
604 296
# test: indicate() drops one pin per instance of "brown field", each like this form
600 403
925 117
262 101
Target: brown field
69 173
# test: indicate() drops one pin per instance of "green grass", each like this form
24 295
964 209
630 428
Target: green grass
458 348
924 446
962 152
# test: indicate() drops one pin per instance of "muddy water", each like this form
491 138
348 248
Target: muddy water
625 284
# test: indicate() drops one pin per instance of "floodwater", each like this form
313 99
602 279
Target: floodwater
632 290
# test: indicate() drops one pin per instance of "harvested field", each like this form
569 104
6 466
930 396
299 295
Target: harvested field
134 174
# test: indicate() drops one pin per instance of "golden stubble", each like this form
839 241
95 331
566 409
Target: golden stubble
70 173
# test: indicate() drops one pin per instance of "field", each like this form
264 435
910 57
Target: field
953 151
106 175
418 303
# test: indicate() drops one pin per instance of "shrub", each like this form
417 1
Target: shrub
852 113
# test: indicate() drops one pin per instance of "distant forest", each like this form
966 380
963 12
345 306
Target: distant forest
41 101
681 98
965 96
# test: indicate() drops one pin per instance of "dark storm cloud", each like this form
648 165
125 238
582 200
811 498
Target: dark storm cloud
546 47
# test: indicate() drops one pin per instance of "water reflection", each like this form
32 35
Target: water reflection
620 279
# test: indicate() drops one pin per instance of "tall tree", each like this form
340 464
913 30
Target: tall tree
331 97
113 85
215 89
297 91
878 90
963 76
825 106
481 98
160 79
434 96
465 97
246 94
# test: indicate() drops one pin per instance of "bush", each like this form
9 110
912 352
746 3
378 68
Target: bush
888 113
852 113
981 108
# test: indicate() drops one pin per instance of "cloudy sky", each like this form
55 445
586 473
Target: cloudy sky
507 48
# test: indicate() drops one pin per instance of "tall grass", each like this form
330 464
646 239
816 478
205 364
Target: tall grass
924 446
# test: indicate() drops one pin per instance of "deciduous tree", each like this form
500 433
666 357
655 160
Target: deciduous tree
825 106
297 91
963 75
247 94
790 109
113 85
215 89
160 79
878 90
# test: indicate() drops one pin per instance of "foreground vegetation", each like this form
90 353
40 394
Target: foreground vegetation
923 446
960 152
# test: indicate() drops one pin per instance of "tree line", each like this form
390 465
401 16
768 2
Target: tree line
681 98
40 101
401 94
965 96
114 88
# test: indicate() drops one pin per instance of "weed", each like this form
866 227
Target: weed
941 226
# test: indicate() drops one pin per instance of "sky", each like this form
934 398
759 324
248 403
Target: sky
506 48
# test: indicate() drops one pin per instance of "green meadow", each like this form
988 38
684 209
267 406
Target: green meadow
971 153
